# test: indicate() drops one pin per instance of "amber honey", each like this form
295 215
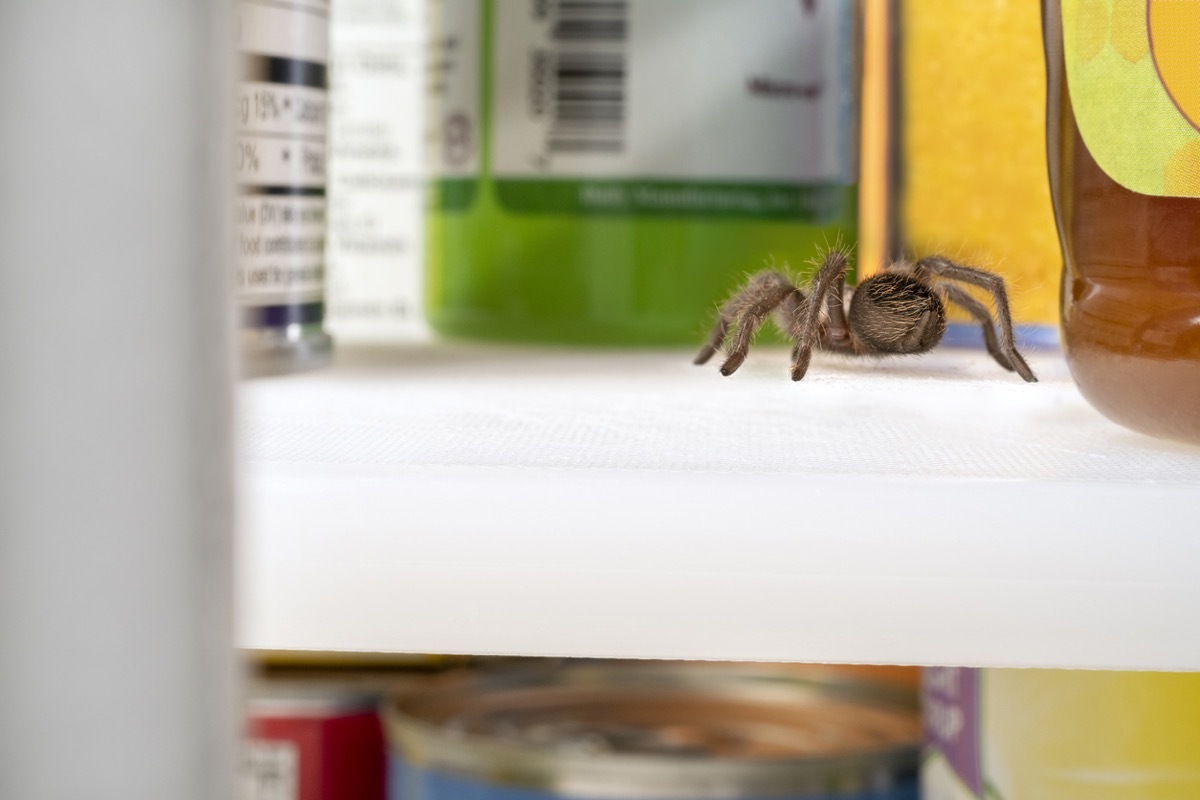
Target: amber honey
1130 292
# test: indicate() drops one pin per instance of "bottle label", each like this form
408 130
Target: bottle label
376 196
1133 71
454 101
710 107
281 159
455 55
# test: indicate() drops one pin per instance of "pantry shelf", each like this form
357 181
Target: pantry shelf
537 501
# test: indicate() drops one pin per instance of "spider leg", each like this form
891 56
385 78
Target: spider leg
833 333
830 276
715 340
745 312
994 284
837 336
957 295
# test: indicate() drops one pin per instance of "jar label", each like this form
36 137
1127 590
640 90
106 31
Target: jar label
1133 71
951 768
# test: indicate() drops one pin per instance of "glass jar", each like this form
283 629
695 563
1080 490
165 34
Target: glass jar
1123 130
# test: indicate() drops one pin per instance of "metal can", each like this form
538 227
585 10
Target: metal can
313 742
280 162
653 732
605 172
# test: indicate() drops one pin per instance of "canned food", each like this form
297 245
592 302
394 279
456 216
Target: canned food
635 731
313 742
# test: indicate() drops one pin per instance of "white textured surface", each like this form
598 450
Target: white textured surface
500 500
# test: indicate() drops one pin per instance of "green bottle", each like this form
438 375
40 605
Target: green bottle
607 171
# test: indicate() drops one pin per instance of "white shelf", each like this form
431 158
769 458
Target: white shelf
491 500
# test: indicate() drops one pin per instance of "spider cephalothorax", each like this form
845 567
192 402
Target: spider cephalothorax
899 311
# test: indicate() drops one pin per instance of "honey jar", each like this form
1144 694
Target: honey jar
1123 129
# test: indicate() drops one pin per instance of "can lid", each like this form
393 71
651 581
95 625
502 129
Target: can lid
300 700
688 730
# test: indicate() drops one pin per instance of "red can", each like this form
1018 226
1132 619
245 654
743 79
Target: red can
314 744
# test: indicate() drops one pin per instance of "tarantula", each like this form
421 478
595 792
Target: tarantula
899 311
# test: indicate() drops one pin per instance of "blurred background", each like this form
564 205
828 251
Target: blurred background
441 273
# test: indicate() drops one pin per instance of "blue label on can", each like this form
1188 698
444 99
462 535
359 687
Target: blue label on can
406 782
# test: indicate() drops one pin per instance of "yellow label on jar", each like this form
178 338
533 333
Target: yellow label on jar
1133 71
1054 734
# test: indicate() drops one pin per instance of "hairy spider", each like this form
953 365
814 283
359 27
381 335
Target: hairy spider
899 311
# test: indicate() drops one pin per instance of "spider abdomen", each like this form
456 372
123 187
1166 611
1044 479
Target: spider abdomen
896 313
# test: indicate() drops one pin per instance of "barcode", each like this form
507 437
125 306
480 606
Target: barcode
589 83
591 21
